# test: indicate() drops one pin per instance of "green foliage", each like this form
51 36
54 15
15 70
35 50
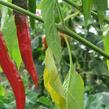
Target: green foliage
101 6
74 91
4 12
9 32
97 101
87 7
106 46
52 37
85 64
74 87
52 81
2 91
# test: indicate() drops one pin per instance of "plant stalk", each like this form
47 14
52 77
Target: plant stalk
71 33
20 10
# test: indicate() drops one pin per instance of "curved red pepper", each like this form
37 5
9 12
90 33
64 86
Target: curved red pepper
12 74
25 45
44 43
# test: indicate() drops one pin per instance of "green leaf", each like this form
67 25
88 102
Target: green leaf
0 69
9 32
2 91
44 100
4 12
101 6
53 39
106 46
9 1
74 87
101 17
74 91
32 8
16 56
52 81
87 6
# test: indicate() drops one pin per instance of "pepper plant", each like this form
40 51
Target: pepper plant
75 50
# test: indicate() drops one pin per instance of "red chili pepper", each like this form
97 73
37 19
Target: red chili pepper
44 43
11 73
25 45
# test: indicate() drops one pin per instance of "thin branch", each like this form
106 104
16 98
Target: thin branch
69 32
60 14
70 16
61 29
21 10
79 7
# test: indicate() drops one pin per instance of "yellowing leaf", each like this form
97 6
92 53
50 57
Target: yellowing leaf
52 81
55 95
